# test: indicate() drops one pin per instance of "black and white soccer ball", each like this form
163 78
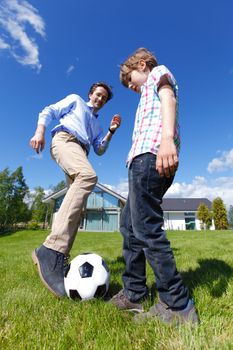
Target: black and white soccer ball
87 277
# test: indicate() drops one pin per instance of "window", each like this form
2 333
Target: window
190 222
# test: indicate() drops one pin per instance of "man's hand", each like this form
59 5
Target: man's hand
115 123
167 159
37 142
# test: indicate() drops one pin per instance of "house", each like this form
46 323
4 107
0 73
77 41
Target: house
102 211
181 213
104 207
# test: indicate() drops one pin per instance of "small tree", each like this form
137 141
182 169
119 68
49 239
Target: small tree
59 186
219 214
204 216
39 209
13 190
230 216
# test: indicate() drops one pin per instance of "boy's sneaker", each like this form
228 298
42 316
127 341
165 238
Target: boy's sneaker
165 314
50 265
122 302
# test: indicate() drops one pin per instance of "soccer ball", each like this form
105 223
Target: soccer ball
87 277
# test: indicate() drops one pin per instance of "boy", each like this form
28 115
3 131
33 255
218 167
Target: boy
152 163
78 129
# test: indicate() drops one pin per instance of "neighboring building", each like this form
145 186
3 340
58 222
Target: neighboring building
102 211
104 207
181 213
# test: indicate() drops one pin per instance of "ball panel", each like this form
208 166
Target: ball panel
86 270
105 265
100 291
73 294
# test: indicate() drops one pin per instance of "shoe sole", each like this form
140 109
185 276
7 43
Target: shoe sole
135 311
36 262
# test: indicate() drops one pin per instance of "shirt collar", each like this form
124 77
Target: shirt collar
91 109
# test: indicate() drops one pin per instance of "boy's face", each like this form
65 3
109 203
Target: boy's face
98 98
136 80
138 77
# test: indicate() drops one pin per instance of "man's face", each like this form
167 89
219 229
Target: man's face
98 98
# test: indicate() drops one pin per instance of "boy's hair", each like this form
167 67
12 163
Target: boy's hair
107 87
132 63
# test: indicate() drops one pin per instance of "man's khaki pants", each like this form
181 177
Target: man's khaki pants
72 158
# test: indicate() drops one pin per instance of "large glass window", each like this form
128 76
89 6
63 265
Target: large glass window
190 222
58 203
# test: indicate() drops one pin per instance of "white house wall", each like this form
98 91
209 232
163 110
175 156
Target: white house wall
174 221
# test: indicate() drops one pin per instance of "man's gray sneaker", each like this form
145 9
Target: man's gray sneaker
122 302
50 265
166 315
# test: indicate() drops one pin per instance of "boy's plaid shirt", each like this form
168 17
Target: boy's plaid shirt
148 122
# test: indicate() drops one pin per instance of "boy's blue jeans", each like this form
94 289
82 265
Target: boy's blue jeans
144 237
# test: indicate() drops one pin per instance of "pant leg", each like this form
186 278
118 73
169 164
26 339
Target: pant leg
73 160
134 276
146 192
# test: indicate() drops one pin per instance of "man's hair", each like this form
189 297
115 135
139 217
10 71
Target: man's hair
107 87
132 63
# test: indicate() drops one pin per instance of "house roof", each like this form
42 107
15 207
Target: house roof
51 197
184 204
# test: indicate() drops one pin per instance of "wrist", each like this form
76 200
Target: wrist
167 137
40 129
111 131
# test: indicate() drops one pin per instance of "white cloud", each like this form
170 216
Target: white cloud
121 188
35 156
203 188
3 44
72 67
69 70
222 163
14 16
200 187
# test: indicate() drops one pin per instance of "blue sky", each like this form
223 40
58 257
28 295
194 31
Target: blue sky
51 49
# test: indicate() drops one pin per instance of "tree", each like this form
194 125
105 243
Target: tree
230 216
204 216
42 212
219 214
59 186
39 209
13 190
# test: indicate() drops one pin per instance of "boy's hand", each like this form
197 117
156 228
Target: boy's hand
115 122
167 159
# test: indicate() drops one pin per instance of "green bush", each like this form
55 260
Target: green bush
33 225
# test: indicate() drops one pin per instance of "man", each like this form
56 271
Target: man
78 130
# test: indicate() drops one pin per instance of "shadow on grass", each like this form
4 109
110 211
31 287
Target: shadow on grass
8 233
116 267
114 288
213 273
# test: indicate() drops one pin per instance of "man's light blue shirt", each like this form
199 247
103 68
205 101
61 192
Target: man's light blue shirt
76 117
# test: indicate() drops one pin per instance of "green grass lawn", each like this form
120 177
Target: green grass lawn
32 318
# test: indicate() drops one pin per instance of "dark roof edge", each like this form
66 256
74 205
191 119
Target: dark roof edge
50 198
